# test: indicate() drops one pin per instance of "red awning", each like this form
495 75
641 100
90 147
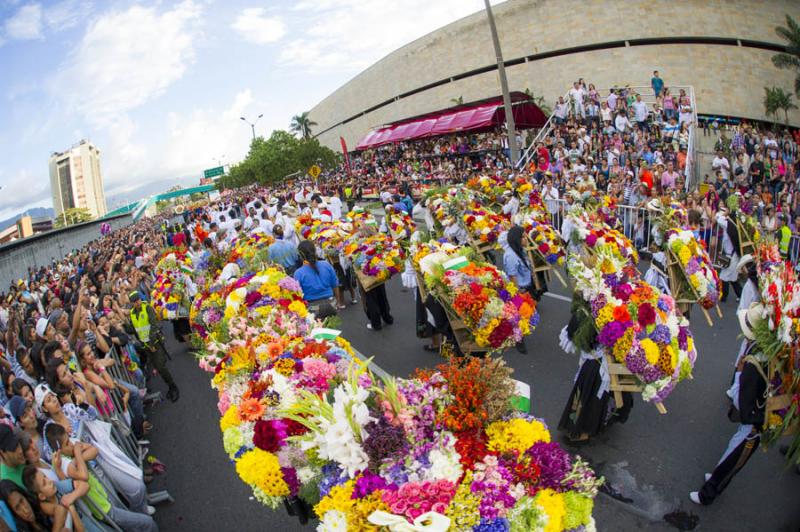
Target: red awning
484 116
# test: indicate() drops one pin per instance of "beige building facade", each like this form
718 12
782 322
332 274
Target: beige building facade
76 181
722 48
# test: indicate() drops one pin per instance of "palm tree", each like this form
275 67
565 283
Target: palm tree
301 125
791 57
777 99
771 102
457 101
540 102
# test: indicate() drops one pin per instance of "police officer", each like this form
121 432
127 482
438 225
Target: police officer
145 323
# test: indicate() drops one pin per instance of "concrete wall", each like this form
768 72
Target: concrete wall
39 250
727 79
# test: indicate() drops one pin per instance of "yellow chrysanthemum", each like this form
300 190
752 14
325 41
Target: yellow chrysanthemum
606 315
515 435
552 503
339 498
299 308
261 469
230 419
651 352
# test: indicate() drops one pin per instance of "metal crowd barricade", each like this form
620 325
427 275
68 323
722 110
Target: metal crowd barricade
87 507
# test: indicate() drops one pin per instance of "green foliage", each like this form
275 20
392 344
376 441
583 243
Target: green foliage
791 58
457 101
73 216
540 102
272 159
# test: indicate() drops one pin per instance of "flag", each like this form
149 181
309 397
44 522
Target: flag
346 157
321 333
456 263
521 400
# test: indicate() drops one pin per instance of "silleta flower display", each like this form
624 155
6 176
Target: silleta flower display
170 297
637 325
304 419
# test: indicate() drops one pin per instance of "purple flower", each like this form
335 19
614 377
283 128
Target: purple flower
290 477
612 332
661 335
663 306
331 476
367 483
492 525
683 335
553 462
635 361
384 441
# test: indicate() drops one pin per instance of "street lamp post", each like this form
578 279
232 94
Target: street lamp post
501 70
252 124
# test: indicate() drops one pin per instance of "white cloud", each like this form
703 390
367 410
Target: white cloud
255 26
127 58
66 14
24 191
353 34
26 23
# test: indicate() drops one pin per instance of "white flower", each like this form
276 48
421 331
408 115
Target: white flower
333 521
445 465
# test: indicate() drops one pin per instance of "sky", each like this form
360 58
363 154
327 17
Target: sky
159 87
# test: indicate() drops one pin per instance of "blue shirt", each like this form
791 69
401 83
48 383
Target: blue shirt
657 84
514 267
317 284
284 253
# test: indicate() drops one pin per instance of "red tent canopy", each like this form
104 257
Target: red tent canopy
483 116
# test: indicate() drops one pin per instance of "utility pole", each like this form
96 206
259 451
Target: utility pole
501 71
252 124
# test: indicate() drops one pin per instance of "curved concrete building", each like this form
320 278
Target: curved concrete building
721 47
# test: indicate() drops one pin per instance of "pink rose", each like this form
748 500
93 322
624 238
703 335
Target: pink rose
399 507
439 508
413 513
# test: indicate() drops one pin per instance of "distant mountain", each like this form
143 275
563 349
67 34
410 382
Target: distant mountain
36 212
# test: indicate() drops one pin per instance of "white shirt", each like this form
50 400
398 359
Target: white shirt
721 164
511 207
335 206
640 109
621 122
561 110
612 101
577 95
605 114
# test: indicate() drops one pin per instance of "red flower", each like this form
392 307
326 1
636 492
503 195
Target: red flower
266 437
543 247
647 315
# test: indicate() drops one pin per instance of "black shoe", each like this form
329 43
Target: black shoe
522 348
173 394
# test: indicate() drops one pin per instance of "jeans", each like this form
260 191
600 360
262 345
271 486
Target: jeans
132 521
135 408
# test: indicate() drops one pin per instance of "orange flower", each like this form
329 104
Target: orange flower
621 313
276 348
251 410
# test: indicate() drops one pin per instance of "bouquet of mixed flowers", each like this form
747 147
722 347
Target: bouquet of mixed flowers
537 224
695 264
596 236
170 293
483 225
496 314
250 251
778 337
304 224
637 325
377 257
360 217
490 186
399 223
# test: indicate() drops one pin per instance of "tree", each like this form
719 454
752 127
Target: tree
540 102
777 99
790 59
270 160
73 216
301 125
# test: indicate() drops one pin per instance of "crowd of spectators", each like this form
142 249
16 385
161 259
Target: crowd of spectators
75 374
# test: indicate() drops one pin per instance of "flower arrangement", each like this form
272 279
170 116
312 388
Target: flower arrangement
482 224
170 293
304 224
778 338
250 250
536 222
637 325
377 256
594 236
691 255
399 223
490 186
496 314
303 418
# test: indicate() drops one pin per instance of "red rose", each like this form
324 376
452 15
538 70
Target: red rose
646 314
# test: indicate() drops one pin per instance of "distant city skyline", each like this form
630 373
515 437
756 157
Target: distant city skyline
160 86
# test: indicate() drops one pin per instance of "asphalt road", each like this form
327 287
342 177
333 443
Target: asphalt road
653 460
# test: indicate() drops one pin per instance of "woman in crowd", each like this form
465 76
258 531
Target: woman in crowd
516 265
318 280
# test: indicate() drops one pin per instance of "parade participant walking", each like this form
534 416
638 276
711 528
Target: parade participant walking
144 321
516 266
318 280
749 406
730 248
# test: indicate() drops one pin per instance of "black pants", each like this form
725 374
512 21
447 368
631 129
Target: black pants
746 445
377 307
181 329
156 355
726 288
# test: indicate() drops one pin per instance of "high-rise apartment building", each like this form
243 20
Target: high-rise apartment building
75 180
